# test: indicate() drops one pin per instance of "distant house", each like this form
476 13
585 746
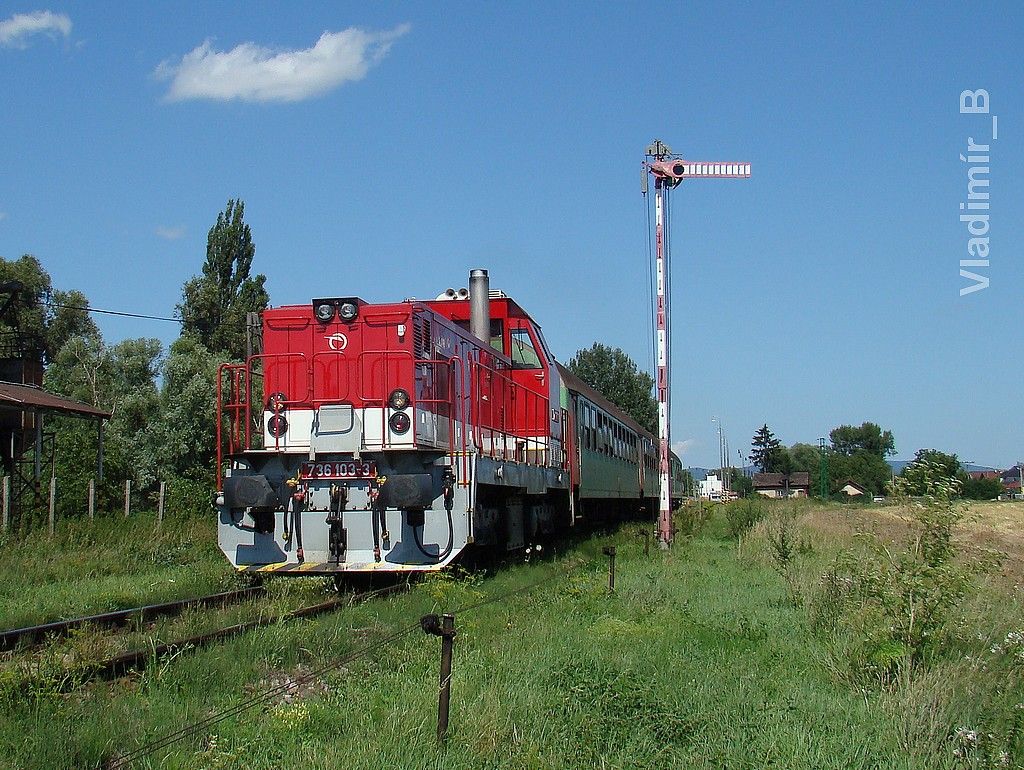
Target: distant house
1011 480
978 475
851 488
711 487
780 485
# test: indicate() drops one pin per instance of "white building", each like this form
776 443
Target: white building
711 488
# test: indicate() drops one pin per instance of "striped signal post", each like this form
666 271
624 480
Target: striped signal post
669 171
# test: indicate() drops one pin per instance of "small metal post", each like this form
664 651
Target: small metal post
53 499
92 499
609 551
445 628
6 503
445 693
160 505
127 497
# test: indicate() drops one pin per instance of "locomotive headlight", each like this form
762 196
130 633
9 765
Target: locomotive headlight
399 422
277 425
348 311
324 312
398 399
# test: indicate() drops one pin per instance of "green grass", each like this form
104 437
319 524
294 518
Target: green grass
108 564
701 658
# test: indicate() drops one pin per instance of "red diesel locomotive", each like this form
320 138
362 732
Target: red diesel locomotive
393 436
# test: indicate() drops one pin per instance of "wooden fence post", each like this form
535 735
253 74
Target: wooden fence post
6 503
53 500
160 505
92 498
127 497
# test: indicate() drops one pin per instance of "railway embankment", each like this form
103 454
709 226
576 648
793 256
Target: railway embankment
716 653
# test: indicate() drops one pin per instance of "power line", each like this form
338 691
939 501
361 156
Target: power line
87 309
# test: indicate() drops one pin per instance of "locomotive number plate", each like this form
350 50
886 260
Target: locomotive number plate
340 469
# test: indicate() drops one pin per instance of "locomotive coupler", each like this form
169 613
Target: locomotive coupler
337 537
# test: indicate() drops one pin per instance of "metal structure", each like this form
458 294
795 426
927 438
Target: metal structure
823 470
669 170
26 447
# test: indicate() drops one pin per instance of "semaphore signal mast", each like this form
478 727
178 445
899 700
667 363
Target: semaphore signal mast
668 171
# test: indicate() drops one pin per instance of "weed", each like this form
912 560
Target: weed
783 547
741 515
895 604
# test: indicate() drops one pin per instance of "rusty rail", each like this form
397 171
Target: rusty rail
135 660
36 634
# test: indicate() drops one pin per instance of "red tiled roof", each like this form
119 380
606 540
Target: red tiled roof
778 480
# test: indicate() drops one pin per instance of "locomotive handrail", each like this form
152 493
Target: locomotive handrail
282 402
383 357
505 392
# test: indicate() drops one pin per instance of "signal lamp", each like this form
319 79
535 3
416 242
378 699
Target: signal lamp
399 399
277 425
348 311
324 312
399 422
276 402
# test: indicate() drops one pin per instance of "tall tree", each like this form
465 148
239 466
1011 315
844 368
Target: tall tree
616 376
858 453
42 317
928 464
183 437
869 437
122 380
806 457
214 305
766 450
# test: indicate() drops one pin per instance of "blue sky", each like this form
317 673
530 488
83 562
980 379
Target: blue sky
385 149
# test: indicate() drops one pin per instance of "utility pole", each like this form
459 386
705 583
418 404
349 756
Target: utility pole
822 470
668 171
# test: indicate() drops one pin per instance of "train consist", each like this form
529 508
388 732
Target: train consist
392 437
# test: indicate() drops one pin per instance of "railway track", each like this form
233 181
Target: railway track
136 660
32 635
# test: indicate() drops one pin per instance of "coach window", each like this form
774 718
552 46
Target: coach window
524 356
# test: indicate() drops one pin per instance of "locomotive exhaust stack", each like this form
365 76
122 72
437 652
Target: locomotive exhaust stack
480 305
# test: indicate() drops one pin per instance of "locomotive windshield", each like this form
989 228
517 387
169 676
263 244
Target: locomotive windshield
524 356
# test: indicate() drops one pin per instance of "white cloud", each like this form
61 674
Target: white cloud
682 447
171 233
255 74
15 31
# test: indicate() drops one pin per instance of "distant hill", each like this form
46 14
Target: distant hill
898 466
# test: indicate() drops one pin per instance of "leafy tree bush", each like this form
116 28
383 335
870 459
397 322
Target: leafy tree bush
887 610
616 376
741 515
981 489
38 312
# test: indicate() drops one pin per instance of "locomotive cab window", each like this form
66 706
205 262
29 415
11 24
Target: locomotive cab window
524 355
497 333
